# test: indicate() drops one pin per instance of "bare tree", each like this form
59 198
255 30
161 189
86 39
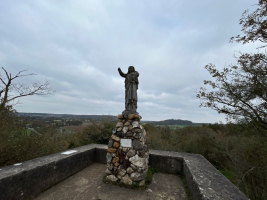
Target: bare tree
11 91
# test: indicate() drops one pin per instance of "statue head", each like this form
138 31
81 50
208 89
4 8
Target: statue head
131 69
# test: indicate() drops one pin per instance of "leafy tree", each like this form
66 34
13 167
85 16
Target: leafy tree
99 132
254 25
240 91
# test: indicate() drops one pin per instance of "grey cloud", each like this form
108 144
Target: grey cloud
78 46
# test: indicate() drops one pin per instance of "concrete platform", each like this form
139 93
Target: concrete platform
87 184
31 178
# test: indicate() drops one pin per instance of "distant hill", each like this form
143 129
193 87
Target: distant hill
68 116
112 117
173 122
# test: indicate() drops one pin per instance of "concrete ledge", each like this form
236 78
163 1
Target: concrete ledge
206 182
34 176
166 161
101 153
203 179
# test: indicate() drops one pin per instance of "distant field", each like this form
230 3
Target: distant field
28 132
75 128
80 128
176 126
86 123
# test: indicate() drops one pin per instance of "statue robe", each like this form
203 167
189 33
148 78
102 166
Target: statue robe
131 87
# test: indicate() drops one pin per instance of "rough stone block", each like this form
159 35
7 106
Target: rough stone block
137 145
125 129
138 161
116 145
136 124
109 157
112 178
111 150
138 176
120 116
113 137
131 116
110 143
127 123
116 159
130 153
119 124
126 180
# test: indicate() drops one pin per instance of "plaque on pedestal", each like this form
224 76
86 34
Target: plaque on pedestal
126 143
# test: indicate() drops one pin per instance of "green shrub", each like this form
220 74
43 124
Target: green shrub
18 146
99 132
239 151
231 175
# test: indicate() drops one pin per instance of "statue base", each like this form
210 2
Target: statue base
127 156
129 112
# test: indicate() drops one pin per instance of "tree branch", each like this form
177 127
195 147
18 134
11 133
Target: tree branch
21 90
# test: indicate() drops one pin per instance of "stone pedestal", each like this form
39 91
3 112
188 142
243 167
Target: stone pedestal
127 156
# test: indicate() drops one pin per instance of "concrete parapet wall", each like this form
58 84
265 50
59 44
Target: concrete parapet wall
166 161
34 176
203 179
101 153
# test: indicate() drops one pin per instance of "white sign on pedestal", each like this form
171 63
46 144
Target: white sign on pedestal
126 143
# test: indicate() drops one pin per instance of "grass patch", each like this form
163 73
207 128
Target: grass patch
230 175
28 132
187 191
149 174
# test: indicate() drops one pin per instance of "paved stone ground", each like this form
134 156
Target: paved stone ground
87 184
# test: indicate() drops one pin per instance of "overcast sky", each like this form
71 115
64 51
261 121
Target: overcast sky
78 46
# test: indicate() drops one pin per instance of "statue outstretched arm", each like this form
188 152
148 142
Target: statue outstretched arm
121 73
